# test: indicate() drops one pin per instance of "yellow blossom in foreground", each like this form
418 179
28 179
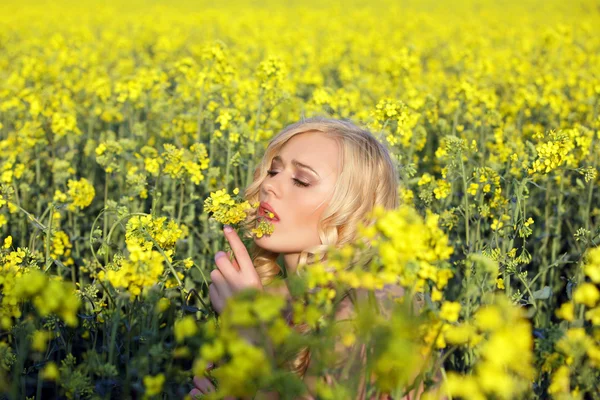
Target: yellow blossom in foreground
566 312
592 265
450 311
586 293
488 318
264 228
225 209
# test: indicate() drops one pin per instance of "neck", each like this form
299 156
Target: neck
291 262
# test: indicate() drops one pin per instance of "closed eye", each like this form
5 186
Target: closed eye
297 182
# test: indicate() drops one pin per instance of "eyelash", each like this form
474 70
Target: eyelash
297 182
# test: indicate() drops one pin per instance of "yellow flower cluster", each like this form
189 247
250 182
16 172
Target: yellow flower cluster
410 247
271 73
502 335
166 234
247 319
139 272
402 121
185 327
153 385
61 248
107 154
49 295
225 209
551 153
404 249
264 228
81 193
458 111
177 163
180 163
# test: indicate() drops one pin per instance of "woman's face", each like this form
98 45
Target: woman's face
299 207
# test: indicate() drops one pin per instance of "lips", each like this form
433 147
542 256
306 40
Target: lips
265 210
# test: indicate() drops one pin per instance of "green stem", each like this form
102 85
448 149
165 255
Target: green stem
48 263
528 290
466 197
33 238
181 196
91 235
105 201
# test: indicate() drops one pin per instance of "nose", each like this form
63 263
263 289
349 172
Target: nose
272 185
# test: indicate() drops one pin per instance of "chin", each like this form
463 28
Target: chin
267 243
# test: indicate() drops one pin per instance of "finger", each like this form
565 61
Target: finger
231 258
215 299
195 394
204 384
222 286
240 251
227 268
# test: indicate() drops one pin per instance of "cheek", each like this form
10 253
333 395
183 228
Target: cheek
308 217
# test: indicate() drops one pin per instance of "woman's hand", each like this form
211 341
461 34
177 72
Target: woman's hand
204 386
229 278
232 276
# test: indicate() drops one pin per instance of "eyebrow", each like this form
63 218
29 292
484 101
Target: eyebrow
297 164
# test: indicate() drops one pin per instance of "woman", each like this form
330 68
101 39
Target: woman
319 178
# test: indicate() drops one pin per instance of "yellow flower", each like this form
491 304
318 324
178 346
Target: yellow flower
188 263
488 318
425 179
81 192
472 190
566 312
162 304
8 242
529 221
592 265
560 381
460 334
450 311
587 294
39 340
153 384
184 328
264 228
442 190
497 224
225 209
60 197
50 372
500 283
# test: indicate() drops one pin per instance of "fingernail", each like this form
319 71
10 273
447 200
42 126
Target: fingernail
227 228
219 255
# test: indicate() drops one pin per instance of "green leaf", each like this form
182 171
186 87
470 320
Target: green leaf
542 294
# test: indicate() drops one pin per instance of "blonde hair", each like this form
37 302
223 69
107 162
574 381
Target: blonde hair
367 178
